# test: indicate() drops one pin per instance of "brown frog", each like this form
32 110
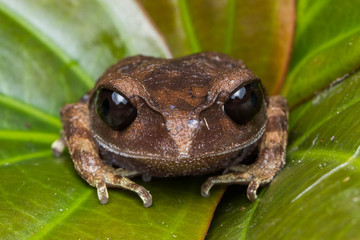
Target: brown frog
157 117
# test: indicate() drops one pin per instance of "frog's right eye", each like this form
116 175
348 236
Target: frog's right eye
114 109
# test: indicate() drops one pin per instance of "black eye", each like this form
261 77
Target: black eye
114 109
245 103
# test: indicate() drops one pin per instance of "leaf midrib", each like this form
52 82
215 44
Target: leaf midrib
248 219
52 224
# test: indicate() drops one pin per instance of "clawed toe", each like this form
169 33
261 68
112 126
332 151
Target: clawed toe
125 183
102 192
232 178
252 189
207 185
235 178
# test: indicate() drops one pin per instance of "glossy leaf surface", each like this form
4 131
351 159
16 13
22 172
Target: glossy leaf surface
51 52
326 47
316 195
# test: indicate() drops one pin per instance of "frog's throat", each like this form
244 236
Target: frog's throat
237 147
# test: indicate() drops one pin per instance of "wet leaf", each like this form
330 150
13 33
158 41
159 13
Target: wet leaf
316 195
326 47
51 52
258 32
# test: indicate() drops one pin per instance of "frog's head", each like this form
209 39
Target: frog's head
177 116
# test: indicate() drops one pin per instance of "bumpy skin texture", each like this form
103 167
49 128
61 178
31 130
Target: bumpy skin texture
180 129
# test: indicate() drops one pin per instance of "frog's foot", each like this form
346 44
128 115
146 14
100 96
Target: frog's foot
87 161
245 175
111 180
270 159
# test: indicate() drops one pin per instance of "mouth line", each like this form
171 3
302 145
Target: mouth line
114 149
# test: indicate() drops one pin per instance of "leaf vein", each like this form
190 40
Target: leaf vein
315 52
64 215
248 220
301 139
229 26
24 157
60 53
29 110
39 137
328 174
188 26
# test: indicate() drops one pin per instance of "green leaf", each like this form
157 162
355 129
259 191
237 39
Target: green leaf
258 32
327 46
51 52
316 195
42 197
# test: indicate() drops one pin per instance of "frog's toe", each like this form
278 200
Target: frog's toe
227 179
102 192
253 186
125 183
252 189
207 185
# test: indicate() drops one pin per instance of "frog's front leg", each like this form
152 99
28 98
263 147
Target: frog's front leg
87 161
271 157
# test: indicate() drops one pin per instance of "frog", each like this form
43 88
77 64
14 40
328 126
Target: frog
201 114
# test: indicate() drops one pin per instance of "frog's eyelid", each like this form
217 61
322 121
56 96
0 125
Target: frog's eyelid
256 80
221 87
125 86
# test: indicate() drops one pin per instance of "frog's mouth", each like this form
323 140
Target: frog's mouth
161 166
143 155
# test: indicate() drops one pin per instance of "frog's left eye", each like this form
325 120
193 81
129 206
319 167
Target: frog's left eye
114 109
245 103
